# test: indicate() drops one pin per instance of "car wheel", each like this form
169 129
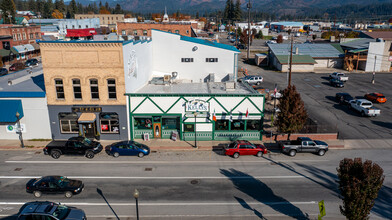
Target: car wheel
236 155
37 194
258 83
68 194
89 154
363 114
321 152
140 155
259 154
55 154
116 154
292 153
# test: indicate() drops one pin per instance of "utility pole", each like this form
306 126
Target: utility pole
248 53
291 60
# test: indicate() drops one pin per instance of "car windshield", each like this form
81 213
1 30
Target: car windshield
381 96
232 145
86 141
61 212
366 104
61 180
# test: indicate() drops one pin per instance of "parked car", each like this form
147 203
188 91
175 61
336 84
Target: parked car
242 47
303 144
336 83
376 97
364 107
252 79
54 185
31 62
270 42
340 76
343 98
127 148
49 210
232 40
3 71
74 145
17 66
241 147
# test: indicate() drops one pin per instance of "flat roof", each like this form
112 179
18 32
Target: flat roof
23 85
313 50
195 89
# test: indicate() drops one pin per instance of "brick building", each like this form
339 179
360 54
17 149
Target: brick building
21 34
144 29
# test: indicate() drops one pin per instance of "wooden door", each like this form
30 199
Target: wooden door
157 130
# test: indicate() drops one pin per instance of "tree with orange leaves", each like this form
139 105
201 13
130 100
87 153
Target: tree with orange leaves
104 10
56 14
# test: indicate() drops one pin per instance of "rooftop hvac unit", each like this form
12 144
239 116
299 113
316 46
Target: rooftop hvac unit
166 78
212 77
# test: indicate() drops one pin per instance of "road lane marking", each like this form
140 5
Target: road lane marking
172 203
163 177
154 162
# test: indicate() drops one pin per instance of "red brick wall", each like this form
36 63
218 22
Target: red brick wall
22 31
184 29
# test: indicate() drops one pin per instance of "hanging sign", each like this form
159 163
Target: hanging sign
197 105
14 128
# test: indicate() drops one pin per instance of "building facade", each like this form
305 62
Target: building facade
84 81
104 19
77 24
144 29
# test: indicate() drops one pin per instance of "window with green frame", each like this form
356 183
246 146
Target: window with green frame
171 123
237 125
253 125
142 123
222 125
189 127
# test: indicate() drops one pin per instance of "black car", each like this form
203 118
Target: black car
75 145
343 98
31 62
336 83
54 185
49 210
3 71
127 148
242 46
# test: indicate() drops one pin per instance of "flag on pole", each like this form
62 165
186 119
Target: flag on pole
247 113
214 116
231 117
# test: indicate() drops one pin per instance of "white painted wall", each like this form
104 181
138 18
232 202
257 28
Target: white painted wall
168 49
35 120
375 54
137 64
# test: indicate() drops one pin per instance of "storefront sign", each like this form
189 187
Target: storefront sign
197 105
174 135
146 136
14 128
87 109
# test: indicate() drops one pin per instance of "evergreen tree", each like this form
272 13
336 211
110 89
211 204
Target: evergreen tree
197 15
32 5
228 12
292 115
118 9
40 6
48 9
237 11
59 5
8 11
359 184
72 9
107 6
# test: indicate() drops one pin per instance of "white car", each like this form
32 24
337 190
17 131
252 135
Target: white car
340 76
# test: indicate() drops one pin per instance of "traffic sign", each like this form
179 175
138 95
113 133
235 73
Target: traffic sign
322 208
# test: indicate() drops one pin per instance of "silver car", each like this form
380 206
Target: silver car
253 80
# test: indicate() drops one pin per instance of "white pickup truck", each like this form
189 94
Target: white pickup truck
364 107
341 76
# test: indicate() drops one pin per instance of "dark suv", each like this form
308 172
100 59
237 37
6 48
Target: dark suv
49 210
74 145
17 66
31 62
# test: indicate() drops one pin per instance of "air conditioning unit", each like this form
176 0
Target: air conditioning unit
166 78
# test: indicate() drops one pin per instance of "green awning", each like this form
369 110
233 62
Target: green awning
297 59
4 53
358 50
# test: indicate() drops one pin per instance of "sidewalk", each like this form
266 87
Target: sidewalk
169 145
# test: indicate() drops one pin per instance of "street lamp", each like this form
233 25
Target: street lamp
136 196
195 114
19 129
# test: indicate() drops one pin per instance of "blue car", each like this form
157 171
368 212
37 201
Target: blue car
127 148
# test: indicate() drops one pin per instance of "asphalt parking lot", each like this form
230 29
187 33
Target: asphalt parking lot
319 98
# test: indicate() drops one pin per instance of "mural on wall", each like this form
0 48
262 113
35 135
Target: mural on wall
132 65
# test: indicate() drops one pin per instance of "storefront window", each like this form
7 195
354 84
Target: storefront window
189 127
68 122
222 125
143 123
238 125
59 88
253 125
171 123
156 119
109 122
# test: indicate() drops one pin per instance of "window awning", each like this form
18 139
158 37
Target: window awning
86 118
81 32
9 109
24 48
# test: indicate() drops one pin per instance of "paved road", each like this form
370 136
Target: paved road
189 185
320 103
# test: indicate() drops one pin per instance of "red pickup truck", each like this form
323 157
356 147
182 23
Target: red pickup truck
242 147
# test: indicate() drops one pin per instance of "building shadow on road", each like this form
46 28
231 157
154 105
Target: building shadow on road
383 124
382 207
11 217
99 191
260 192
